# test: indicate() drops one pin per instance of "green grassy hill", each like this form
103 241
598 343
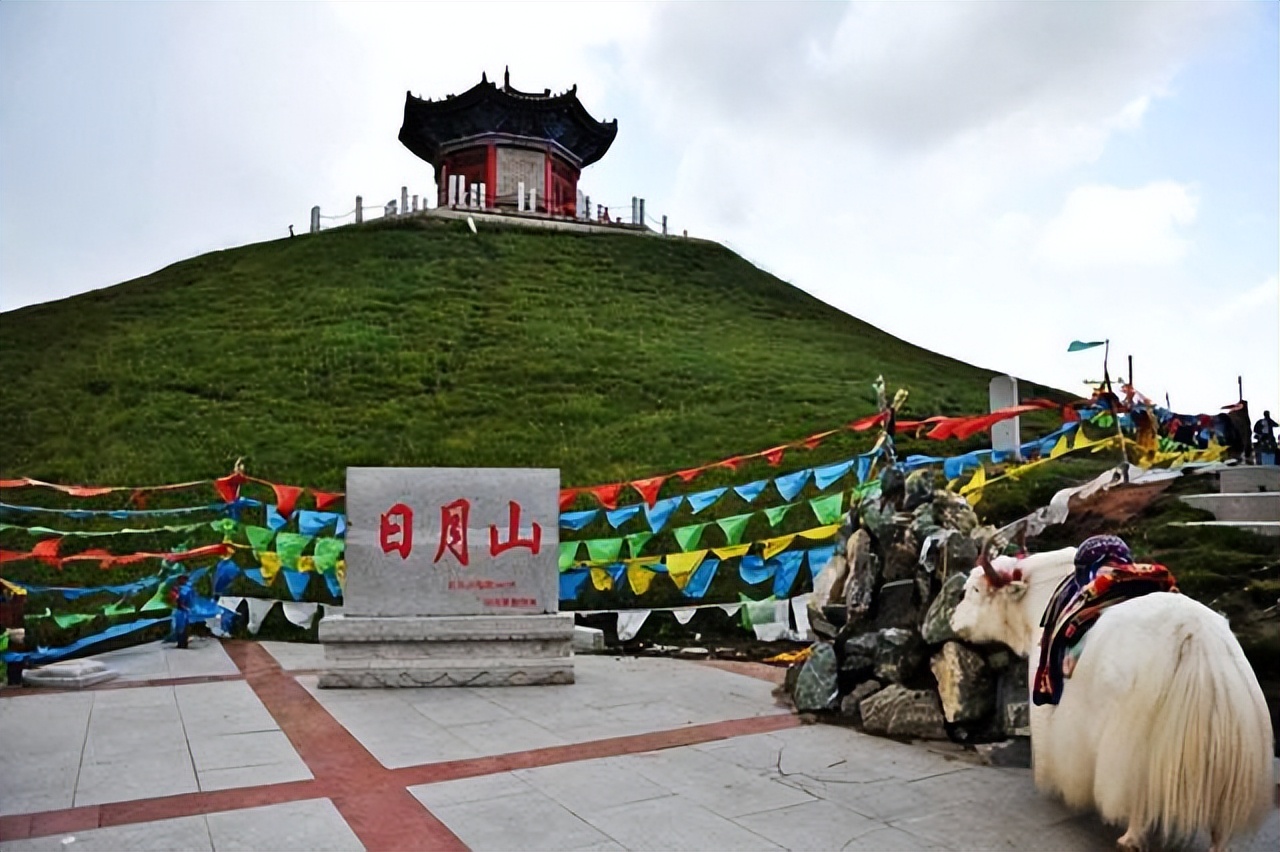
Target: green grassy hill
420 343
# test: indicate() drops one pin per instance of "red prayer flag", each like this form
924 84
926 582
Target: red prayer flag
325 499
732 463
812 442
47 550
867 422
649 488
567 496
774 456
85 490
14 483
286 498
690 474
229 486
607 494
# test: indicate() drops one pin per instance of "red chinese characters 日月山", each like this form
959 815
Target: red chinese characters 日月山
453 530
496 546
395 532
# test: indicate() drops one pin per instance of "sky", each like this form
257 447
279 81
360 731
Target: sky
987 180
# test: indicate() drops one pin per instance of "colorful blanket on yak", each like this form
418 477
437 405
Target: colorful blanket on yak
1074 609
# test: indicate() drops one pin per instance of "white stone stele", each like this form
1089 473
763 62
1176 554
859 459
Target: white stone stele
446 650
71 674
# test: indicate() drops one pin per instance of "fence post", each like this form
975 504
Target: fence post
533 199
415 203
586 209
641 211
520 197
664 224
359 209
484 195
315 219
404 200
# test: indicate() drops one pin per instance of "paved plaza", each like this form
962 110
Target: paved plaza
231 746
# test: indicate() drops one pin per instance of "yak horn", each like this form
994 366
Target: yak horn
984 562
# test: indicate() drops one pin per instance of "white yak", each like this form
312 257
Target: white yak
1161 728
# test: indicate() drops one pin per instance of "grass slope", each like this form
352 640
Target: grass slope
419 343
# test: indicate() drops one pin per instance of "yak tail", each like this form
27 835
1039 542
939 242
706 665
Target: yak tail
1207 759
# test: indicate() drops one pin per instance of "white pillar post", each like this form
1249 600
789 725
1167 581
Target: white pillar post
520 197
315 219
415 202
359 209
484 196
404 200
641 211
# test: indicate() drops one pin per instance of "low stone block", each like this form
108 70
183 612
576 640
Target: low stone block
70 674
816 683
851 704
588 639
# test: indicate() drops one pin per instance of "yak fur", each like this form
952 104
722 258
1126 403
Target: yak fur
1161 728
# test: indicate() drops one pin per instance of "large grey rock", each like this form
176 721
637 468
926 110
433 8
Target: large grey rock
901 556
828 586
896 711
936 628
1013 694
864 573
919 489
899 655
851 704
816 683
859 654
877 518
898 605
953 512
965 685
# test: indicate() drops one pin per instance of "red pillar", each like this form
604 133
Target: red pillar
546 183
491 175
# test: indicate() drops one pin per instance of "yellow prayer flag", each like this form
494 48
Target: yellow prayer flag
270 562
1061 448
819 533
774 546
306 563
639 577
601 580
682 565
732 551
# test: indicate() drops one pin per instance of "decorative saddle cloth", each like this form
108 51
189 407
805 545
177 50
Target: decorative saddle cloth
1075 608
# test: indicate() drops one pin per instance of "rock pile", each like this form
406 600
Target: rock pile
885 657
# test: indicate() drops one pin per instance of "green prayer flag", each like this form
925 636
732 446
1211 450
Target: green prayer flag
1080 345
118 608
827 509
604 549
226 526
568 554
734 527
328 552
259 537
67 619
290 546
757 612
636 542
35 615
777 513
689 536
160 600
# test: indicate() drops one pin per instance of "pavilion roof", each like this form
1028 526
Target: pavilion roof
486 108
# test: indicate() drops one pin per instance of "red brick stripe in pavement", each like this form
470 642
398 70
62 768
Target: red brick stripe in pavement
371 798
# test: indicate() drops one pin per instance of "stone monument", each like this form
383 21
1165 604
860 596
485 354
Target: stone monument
451 581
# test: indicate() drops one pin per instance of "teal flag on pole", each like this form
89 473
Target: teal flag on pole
1078 345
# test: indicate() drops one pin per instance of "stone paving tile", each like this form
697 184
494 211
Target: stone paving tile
140 776
724 788
154 660
295 656
313 825
184 834
590 785
809 825
526 820
673 823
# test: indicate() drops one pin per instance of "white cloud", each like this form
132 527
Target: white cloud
1248 302
1107 225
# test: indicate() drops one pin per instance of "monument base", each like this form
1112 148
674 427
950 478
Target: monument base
446 650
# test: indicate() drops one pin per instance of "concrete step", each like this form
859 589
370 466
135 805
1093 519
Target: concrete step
1256 527
1258 506
1247 479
